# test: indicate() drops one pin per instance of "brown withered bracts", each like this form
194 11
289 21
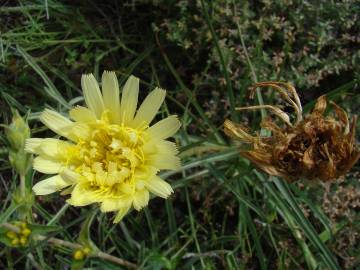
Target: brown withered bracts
314 147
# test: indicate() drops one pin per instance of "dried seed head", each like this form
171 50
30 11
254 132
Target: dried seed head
314 147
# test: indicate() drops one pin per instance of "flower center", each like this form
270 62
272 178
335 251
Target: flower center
107 161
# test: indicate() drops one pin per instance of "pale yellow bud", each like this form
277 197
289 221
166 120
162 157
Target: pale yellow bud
17 132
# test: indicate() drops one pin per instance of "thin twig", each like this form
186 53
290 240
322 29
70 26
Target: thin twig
60 242
114 259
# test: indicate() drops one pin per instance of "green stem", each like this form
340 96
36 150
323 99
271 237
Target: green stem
58 214
60 242
22 185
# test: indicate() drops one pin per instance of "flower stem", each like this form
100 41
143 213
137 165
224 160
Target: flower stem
60 242
22 185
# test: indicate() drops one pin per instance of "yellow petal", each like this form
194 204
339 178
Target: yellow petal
114 204
92 94
165 162
122 212
32 144
67 191
166 147
54 149
164 128
159 187
109 205
81 131
155 146
51 147
126 187
81 196
82 114
110 90
50 185
129 99
70 176
141 199
58 123
149 108
47 166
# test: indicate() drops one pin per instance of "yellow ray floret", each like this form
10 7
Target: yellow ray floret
110 153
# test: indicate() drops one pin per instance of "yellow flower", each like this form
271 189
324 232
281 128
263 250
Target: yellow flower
112 154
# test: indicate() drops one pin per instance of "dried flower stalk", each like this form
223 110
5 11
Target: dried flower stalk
314 147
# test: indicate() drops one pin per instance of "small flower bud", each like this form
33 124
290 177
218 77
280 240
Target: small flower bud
23 240
86 250
15 241
20 161
78 255
11 234
26 232
23 224
17 132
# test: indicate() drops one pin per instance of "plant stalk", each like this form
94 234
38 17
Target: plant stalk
60 242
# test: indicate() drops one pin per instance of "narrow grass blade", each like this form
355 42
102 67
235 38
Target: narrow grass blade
332 94
50 88
305 225
224 66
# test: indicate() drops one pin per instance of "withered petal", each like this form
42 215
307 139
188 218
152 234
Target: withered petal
351 135
343 117
320 105
262 164
273 127
308 158
237 131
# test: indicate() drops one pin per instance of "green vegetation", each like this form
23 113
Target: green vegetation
224 213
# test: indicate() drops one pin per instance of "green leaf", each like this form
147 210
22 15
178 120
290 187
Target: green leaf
158 262
333 94
84 236
43 229
77 264
305 225
5 240
50 88
9 211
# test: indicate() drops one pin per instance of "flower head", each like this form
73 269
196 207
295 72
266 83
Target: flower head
314 147
110 153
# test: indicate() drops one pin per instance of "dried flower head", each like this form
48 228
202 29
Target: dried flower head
314 147
112 155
